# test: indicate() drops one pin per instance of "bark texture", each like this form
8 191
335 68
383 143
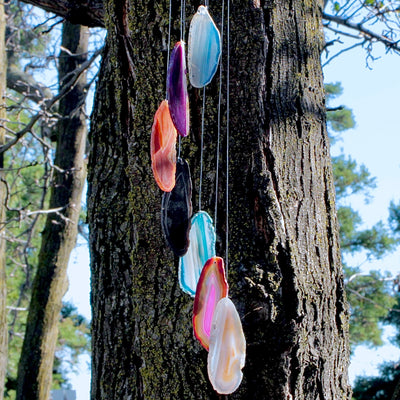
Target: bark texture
284 262
59 236
3 286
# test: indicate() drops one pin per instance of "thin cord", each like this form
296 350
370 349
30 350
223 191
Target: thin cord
227 141
179 146
201 145
168 45
184 20
181 25
219 118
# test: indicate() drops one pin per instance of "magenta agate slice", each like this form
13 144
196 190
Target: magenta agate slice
176 210
211 288
178 98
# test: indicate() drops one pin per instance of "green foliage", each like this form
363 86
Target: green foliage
340 118
393 318
378 388
370 301
351 178
394 218
383 386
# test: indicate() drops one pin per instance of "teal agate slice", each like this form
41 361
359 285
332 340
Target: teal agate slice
201 248
204 48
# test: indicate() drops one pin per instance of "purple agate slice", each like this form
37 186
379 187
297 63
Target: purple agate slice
178 99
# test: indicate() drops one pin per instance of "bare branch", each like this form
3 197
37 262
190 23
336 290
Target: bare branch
26 85
364 32
371 301
42 113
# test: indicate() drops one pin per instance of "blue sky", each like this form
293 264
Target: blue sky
373 95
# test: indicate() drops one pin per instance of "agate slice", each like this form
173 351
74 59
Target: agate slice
211 288
201 248
178 98
227 348
162 148
176 210
204 48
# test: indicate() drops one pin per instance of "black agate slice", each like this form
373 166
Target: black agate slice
176 210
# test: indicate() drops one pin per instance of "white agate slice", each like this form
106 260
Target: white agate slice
204 48
201 248
227 351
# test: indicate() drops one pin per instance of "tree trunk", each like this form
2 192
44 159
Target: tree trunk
59 236
285 272
3 287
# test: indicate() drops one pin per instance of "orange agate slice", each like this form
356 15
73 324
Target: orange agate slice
211 288
163 148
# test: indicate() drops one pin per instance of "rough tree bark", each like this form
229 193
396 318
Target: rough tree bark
59 236
3 286
285 270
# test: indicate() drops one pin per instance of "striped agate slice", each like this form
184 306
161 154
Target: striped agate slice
211 288
227 351
178 98
204 48
201 248
176 210
163 148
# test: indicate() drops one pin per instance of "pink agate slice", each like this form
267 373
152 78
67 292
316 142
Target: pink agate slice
178 98
227 352
212 287
163 148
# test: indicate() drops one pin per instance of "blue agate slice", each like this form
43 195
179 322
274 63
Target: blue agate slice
204 48
201 248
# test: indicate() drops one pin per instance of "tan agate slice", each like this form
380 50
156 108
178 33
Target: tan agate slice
227 351
163 148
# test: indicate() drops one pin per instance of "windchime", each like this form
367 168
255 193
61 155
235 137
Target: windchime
202 274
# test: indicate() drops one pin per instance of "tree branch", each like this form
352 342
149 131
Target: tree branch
26 85
84 12
366 33
49 104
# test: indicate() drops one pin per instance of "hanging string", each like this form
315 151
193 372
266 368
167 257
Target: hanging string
227 140
168 46
219 116
182 24
201 145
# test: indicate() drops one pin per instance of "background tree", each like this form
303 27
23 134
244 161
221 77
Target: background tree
28 175
3 286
